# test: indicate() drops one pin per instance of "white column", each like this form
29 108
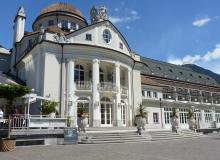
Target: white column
129 97
96 97
202 120
213 114
72 110
118 94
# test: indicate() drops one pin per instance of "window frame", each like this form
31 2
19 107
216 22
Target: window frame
155 117
88 36
107 36
49 22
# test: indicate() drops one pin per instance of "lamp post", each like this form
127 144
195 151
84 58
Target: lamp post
28 109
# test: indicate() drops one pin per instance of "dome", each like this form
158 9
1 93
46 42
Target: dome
63 7
62 15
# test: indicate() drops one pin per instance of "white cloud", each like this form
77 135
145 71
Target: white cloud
128 27
116 9
201 22
188 59
213 55
133 12
209 60
117 19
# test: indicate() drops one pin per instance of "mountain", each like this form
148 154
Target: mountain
203 71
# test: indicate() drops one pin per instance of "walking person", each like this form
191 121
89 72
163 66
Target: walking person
1 118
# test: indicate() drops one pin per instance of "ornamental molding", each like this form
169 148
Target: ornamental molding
98 14
60 38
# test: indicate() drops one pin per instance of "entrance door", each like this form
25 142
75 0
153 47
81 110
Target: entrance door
83 108
123 114
106 114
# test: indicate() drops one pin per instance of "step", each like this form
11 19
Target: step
29 142
113 141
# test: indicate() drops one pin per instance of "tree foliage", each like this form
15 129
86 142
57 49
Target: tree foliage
141 111
13 91
48 107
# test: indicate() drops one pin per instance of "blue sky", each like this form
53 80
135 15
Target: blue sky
175 31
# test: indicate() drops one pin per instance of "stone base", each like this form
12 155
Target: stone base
96 123
118 123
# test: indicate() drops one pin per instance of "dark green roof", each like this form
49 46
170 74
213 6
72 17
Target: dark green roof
177 72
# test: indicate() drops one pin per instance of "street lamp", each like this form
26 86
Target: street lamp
29 96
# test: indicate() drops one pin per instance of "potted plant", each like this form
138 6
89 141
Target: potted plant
191 119
174 120
140 118
49 108
82 119
10 92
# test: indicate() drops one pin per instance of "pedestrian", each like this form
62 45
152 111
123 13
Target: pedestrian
1 118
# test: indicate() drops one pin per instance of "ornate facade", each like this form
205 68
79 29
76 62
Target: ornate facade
76 63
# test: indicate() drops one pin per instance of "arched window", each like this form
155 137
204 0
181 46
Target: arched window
101 75
79 73
107 36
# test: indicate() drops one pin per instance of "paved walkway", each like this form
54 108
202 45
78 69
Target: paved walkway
205 148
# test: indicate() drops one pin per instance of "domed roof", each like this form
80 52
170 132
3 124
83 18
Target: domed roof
62 7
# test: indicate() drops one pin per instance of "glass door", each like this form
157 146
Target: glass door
106 114
123 114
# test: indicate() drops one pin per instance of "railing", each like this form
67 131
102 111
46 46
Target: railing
183 98
17 122
206 100
83 85
124 90
195 99
107 86
168 96
20 121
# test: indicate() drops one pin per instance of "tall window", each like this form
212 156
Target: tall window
64 24
183 115
50 23
143 93
197 115
155 94
107 36
148 93
79 73
217 116
208 116
72 25
167 114
101 75
156 118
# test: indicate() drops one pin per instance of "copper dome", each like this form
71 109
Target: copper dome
62 7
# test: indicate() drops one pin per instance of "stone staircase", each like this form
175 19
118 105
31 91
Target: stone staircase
169 135
113 137
129 136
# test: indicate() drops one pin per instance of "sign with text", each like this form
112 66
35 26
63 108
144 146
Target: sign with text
70 136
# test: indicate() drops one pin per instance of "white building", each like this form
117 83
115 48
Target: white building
74 62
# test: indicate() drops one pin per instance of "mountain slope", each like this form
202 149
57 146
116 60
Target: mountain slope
203 71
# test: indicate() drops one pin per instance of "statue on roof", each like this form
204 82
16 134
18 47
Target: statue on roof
98 14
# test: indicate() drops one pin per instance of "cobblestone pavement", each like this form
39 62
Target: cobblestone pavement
204 148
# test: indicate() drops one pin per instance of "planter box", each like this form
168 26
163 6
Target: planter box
7 144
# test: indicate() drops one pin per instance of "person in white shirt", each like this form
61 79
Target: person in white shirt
1 118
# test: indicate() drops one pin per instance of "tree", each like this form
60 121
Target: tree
10 92
48 107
